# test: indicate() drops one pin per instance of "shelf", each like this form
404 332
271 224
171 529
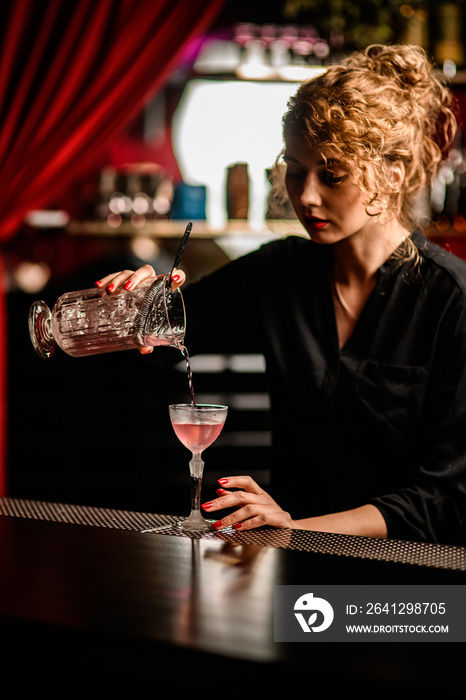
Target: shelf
175 229
165 229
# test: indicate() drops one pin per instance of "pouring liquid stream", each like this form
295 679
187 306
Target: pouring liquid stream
189 372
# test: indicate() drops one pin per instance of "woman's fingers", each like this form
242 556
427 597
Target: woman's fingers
250 492
114 280
178 278
252 516
146 350
241 482
230 500
129 279
255 507
126 278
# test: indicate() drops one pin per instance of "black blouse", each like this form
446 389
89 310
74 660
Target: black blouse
382 420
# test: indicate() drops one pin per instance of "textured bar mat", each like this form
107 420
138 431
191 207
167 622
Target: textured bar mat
397 551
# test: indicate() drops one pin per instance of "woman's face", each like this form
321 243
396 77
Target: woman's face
326 199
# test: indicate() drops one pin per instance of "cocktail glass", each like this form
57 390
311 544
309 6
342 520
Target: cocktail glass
197 426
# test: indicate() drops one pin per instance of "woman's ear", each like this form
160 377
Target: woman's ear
397 168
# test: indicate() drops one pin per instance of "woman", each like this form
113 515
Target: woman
363 327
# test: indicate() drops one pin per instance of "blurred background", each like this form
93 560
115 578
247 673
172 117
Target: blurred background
120 121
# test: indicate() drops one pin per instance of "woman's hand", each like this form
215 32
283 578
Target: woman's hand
129 279
255 507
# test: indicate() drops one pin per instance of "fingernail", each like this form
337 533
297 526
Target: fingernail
237 526
221 492
98 283
206 506
176 278
223 481
218 524
110 288
128 285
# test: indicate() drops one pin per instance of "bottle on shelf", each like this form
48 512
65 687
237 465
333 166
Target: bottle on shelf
448 40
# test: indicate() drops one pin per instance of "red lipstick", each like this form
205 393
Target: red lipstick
316 222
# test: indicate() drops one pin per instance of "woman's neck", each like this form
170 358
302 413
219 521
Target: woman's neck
354 273
356 259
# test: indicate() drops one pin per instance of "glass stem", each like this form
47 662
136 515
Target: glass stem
196 469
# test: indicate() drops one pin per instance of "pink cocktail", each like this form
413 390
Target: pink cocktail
197 436
197 426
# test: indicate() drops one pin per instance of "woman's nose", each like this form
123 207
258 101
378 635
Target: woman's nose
310 195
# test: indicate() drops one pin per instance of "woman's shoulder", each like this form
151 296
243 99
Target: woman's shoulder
443 260
295 248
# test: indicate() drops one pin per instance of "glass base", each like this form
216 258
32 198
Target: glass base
195 523
39 329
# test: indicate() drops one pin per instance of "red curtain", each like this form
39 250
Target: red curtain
72 76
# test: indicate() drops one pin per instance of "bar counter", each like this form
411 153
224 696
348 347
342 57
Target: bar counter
89 601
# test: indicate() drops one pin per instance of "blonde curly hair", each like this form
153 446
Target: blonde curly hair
379 105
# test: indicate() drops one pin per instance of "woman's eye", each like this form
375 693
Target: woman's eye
332 179
294 175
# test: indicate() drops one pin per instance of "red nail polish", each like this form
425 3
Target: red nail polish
223 481
176 278
218 524
221 492
98 283
237 526
128 285
207 505
110 288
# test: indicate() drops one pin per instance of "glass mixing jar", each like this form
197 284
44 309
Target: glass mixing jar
92 322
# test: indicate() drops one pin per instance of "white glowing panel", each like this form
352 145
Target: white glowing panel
219 123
